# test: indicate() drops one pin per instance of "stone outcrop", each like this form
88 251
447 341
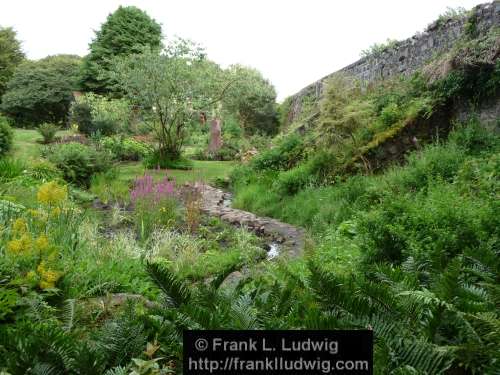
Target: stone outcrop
406 56
216 202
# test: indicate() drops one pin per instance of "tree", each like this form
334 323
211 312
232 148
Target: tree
173 87
253 99
10 56
41 91
126 31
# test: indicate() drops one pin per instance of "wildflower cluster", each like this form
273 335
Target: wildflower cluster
30 237
52 194
145 188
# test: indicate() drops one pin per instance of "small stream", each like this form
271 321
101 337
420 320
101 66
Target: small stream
272 248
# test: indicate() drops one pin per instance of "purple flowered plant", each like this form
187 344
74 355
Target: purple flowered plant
145 188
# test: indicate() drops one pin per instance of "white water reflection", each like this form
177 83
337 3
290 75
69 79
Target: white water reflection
273 251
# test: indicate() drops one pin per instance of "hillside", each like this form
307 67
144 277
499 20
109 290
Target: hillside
173 195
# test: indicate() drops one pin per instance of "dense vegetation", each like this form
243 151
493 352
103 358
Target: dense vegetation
106 257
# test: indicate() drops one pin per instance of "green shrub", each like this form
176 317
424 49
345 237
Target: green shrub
11 168
81 115
293 180
153 161
390 114
126 148
108 188
104 127
78 162
430 226
312 172
474 138
48 132
6 136
283 156
43 170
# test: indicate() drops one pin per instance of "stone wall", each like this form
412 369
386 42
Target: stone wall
406 56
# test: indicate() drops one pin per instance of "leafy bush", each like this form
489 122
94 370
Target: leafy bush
103 127
11 168
96 114
126 148
48 132
474 137
43 170
283 156
109 188
6 136
154 160
78 162
311 172
81 115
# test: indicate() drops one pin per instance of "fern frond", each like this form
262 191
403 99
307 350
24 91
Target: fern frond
118 370
244 314
69 312
44 369
422 356
175 290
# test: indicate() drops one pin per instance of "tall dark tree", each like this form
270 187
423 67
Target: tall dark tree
41 91
126 31
11 55
252 99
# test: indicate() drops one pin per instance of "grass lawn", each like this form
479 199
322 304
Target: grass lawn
26 143
203 171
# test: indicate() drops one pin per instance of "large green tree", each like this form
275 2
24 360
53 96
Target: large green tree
11 55
41 91
126 31
252 99
172 87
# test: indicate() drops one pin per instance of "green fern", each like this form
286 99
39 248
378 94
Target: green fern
175 290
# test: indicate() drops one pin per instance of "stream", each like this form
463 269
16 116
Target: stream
282 239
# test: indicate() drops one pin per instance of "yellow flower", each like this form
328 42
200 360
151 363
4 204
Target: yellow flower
21 244
42 242
46 285
20 226
48 277
15 246
52 193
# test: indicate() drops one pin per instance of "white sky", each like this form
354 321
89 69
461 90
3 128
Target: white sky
292 42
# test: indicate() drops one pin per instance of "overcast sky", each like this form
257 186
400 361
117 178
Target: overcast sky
292 42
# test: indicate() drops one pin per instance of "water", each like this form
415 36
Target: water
273 251
227 200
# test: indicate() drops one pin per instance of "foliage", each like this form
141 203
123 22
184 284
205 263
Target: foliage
377 49
173 87
252 98
98 114
11 56
6 136
78 162
154 160
126 148
41 91
109 188
48 132
284 155
81 115
125 32
154 204
449 14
